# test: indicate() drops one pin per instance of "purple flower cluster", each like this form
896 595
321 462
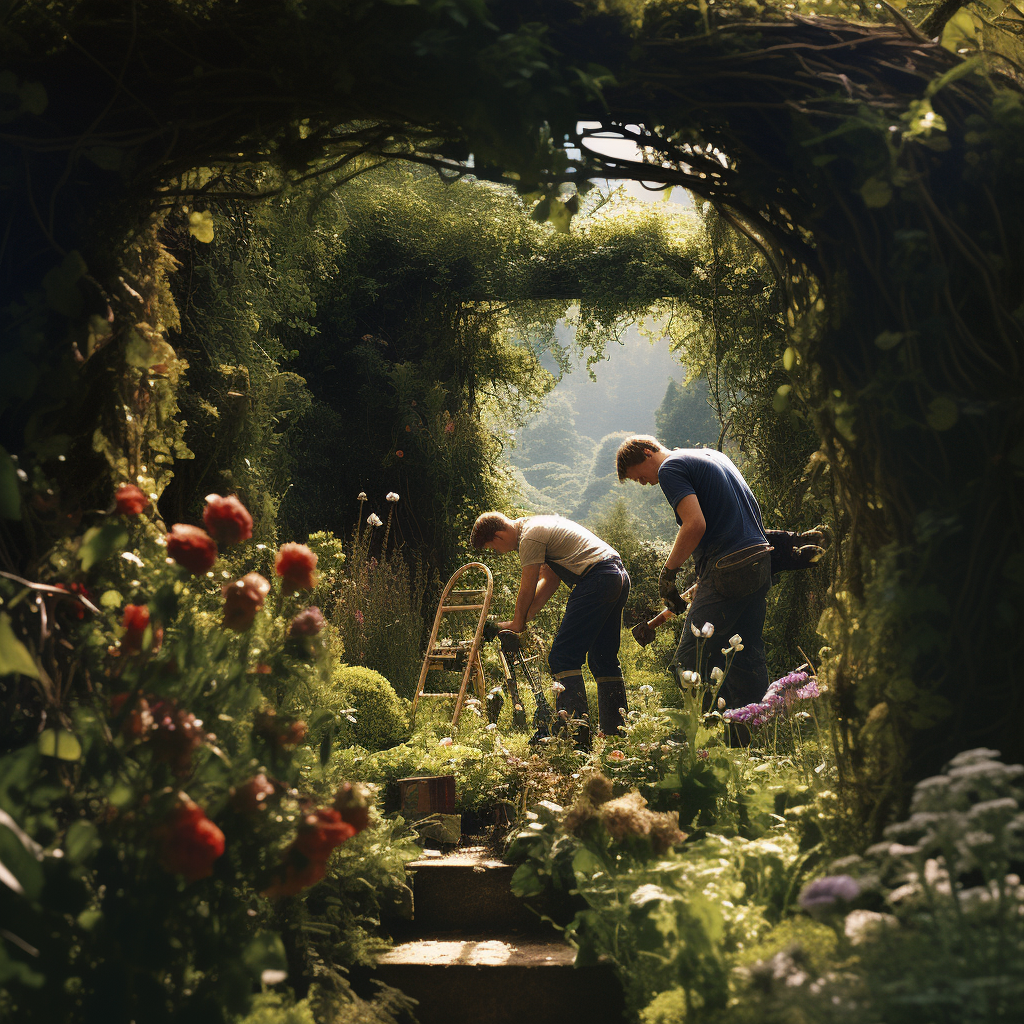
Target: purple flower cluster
779 695
825 891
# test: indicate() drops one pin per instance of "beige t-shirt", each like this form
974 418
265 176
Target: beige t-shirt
554 539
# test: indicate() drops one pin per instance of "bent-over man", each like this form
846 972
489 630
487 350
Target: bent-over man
553 550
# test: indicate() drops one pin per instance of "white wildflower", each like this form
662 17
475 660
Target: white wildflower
391 496
694 630
361 496
717 675
646 688
491 727
860 924
374 520
557 687
736 641
721 703
446 742
707 630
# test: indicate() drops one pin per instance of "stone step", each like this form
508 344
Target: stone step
499 979
467 890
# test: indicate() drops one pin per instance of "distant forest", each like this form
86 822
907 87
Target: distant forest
564 456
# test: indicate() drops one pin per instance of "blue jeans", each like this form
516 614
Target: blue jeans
731 597
591 630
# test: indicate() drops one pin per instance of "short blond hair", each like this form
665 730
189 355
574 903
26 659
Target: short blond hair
635 450
486 526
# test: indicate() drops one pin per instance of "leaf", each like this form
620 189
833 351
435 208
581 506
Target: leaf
526 881
82 841
138 351
265 953
14 655
100 543
876 192
61 744
790 358
780 403
942 413
10 496
200 225
22 871
888 339
586 864
111 599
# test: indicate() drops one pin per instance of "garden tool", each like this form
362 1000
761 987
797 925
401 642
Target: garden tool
643 632
510 654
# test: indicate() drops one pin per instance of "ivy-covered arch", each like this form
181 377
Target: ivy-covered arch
877 171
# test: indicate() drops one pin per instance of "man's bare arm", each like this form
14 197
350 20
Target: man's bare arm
528 587
690 532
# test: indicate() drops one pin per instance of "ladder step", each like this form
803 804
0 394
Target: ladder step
461 608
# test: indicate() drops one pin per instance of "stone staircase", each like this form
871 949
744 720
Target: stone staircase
475 954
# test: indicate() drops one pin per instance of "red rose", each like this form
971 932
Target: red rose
400 453
226 519
320 833
130 500
176 735
243 599
352 801
136 619
189 842
305 861
295 564
252 796
307 623
192 548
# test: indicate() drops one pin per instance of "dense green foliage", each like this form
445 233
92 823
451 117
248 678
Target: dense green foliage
328 339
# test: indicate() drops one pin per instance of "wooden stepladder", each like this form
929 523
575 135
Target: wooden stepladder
460 655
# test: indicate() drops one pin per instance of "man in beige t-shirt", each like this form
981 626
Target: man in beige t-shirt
552 551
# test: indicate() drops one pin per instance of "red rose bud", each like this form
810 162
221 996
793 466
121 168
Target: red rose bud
295 564
243 599
226 519
320 833
305 861
130 500
352 802
251 797
189 842
307 623
177 733
136 619
192 548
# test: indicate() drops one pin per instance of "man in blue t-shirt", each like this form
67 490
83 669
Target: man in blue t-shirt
720 526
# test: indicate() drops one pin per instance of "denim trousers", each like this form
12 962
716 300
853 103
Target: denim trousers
732 598
591 629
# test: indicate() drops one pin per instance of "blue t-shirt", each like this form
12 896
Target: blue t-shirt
730 509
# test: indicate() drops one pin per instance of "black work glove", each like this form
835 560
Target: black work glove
669 592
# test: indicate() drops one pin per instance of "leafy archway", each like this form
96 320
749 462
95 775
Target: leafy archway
877 170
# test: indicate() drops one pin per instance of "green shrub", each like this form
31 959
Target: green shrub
381 719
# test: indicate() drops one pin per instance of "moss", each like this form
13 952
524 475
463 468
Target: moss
380 714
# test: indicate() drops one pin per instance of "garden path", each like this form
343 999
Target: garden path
475 954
